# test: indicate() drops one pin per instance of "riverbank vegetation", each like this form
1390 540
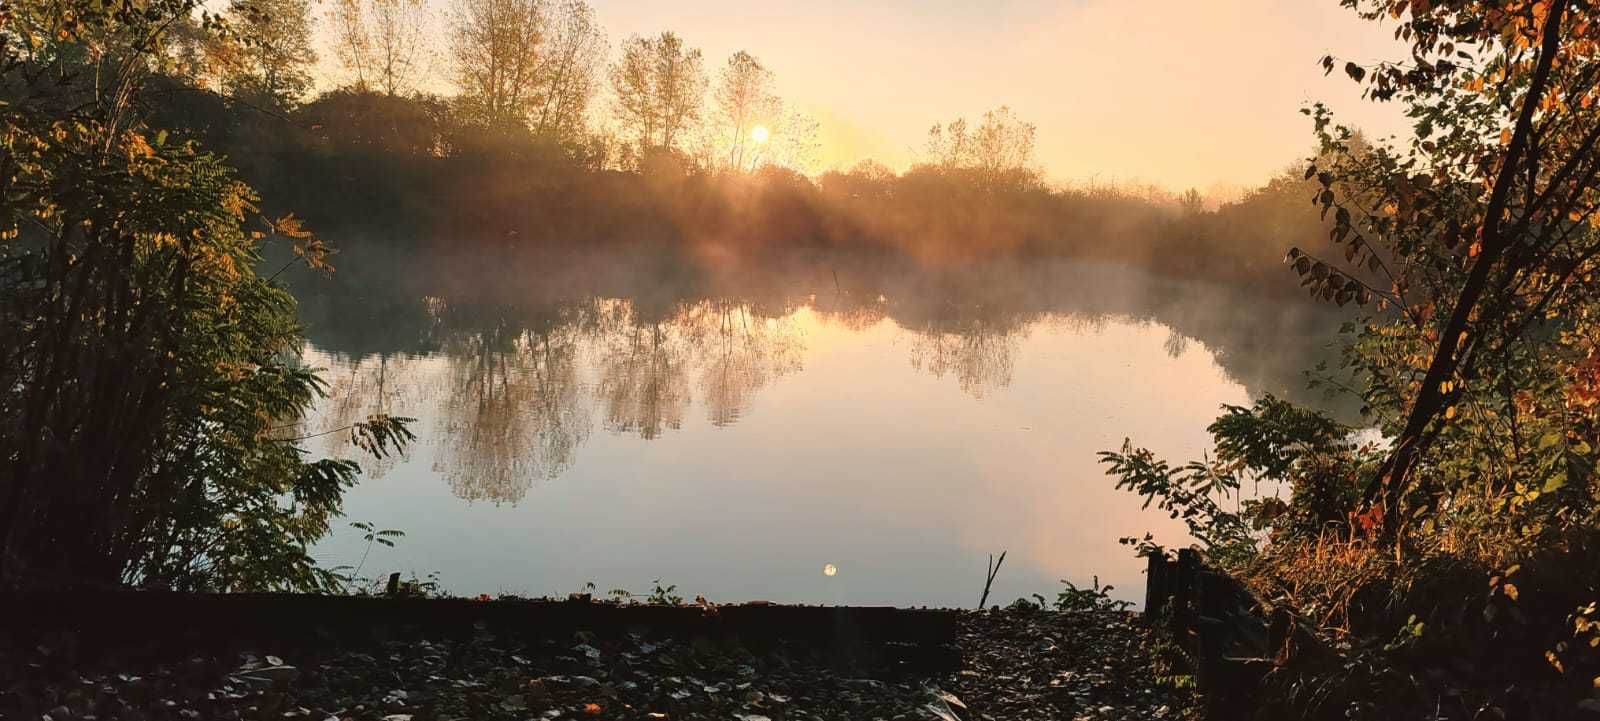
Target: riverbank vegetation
154 155
547 137
149 381
151 390
1446 569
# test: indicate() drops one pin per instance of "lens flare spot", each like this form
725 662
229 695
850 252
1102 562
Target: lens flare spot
830 570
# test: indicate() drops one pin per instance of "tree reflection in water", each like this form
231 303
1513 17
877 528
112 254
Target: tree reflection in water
359 388
643 379
515 410
742 353
510 390
978 348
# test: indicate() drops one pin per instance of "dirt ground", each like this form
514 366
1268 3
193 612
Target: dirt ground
1013 665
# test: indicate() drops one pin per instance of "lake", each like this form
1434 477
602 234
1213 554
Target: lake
736 433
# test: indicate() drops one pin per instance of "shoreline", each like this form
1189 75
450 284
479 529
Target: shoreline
150 655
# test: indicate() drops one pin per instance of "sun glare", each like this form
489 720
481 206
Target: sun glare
760 134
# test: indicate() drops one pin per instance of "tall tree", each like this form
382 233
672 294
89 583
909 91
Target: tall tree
569 68
267 58
998 152
497 46
633 89
380 42
660 90
744 100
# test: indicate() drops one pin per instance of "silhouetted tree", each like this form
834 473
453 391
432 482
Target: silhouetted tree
744 100
380 42
267 60
659 87
998 152
497 46
569 68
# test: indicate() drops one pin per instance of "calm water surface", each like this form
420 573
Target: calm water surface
734 447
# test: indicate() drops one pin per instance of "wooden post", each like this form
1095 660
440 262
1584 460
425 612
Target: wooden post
1157 586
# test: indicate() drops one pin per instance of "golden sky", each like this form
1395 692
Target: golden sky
1181 93
1176 92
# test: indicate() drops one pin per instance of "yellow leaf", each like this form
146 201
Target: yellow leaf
1510 591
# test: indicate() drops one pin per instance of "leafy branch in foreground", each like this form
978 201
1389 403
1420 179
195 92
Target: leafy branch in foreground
1274 448
147 364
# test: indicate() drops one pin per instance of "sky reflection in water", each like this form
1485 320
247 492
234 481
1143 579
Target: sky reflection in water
737 454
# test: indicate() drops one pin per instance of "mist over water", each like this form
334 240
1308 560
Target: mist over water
735 425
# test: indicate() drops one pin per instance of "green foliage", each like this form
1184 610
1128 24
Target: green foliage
664 596
1471 253
1094 598
151 381
658 595
1274 449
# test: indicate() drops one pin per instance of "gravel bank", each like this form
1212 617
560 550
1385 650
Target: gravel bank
1014 665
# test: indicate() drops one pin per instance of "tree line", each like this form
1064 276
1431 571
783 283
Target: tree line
534 66
551 137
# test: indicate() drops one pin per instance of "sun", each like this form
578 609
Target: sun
760 134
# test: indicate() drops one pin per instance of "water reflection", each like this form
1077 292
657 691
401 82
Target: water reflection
977 348
643 369
742 353
359 388
510 390
514 410
897 422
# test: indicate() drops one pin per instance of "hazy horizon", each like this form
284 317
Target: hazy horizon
1174 94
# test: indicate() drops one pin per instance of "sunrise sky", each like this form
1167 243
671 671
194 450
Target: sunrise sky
1180 93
